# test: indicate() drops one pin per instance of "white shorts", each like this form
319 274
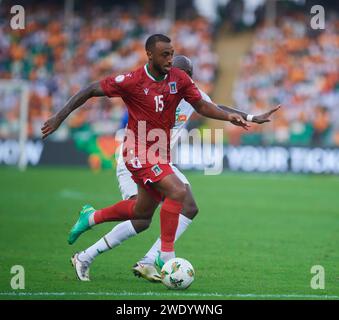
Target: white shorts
128 187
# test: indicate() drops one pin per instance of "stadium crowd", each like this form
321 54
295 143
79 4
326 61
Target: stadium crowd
59 60
288 63
292 64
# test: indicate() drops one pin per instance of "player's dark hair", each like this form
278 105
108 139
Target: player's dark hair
183 63
153 39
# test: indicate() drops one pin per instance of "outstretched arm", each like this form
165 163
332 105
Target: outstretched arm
53 123
210 110
262 118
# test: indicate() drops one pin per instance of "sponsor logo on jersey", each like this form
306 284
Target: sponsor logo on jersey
156 170
119 78
146 91
173 87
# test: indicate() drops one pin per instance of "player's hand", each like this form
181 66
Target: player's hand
262 118
50 126
237 120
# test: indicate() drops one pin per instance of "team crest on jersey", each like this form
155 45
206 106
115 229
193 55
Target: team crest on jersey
146 90
156 170
173 87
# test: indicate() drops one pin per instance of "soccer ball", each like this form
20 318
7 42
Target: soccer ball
177 273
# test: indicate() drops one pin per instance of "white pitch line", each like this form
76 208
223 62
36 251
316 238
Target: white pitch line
76 195
173 294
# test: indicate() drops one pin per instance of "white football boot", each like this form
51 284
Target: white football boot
146 271
81 268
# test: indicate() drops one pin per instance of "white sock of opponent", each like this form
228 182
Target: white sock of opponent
119 233
151 255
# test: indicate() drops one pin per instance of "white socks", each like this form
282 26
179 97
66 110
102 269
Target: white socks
122 232
119 233
150 256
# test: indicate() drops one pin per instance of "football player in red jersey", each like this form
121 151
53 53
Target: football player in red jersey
151 94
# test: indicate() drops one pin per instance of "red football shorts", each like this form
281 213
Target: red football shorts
148 174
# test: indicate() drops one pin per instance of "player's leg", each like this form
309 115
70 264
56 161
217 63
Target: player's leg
126 229
118 234
174 191
121 232
188 213
142 208
190 209
129 191
144 269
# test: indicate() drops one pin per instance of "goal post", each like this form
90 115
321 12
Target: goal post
11 87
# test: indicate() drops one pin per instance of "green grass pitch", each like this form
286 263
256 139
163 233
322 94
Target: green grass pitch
255 237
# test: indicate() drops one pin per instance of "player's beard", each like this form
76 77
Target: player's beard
161 71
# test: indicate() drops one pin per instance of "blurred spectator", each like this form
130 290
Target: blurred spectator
321 126
299 69
58 63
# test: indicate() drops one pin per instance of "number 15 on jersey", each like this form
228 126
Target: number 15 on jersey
159 103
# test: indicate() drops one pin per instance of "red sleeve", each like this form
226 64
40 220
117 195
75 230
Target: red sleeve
190 91
113 86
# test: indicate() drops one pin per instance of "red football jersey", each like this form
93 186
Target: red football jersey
151 104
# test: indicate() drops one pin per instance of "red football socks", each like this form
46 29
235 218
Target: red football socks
169 217
123 210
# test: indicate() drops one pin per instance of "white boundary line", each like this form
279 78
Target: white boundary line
172 294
